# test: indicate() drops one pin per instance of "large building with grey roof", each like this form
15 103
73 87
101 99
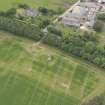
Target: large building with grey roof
82 14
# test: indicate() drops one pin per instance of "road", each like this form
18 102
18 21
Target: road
68 10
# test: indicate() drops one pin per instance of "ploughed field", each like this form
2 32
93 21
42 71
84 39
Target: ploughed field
35 74
51 4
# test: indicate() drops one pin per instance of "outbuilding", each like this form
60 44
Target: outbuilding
101 1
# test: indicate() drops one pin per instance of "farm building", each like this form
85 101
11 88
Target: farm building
83 14
101 1
75 16
27 12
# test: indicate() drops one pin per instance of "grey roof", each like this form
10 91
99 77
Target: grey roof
30 12
77 12
74 14
88 4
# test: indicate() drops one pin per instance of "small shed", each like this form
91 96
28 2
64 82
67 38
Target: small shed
29 12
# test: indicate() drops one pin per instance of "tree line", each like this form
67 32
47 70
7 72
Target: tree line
83 45
20 28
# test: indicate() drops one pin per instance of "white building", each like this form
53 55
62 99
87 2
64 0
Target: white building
101 1
83 14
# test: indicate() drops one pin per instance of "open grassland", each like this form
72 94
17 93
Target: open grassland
52 4
33 74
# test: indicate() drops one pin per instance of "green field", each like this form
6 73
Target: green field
52 4
33 74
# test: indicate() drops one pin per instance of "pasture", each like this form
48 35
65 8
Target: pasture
35 74
52 4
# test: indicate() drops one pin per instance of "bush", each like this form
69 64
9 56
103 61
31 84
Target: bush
54 30
101 16
98 26
52 40
43 10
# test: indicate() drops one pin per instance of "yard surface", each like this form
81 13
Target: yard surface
33 74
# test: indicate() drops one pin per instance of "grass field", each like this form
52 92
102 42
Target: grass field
52 4
33 74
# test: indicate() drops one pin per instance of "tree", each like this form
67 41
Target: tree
10 12
24 6
45 23
89 47
101 16
54 30
20 28
53 40
97 60
98 26
43 10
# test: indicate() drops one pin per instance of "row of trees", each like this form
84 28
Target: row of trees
84 45
20 28
47 11
24 29
11 12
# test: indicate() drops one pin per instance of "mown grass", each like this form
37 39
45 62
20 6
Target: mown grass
52 4
29 77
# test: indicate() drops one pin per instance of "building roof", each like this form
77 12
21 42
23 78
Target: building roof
88 4
79 10
27 12
76 12
100 1
30 12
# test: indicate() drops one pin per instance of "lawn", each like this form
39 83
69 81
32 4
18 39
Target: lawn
35 74
52 4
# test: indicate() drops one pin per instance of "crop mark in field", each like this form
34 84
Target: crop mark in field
8 82
95 92
85 82
38 83
68 90
11 77
53 86
64 81
26 94
67 85
35 89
